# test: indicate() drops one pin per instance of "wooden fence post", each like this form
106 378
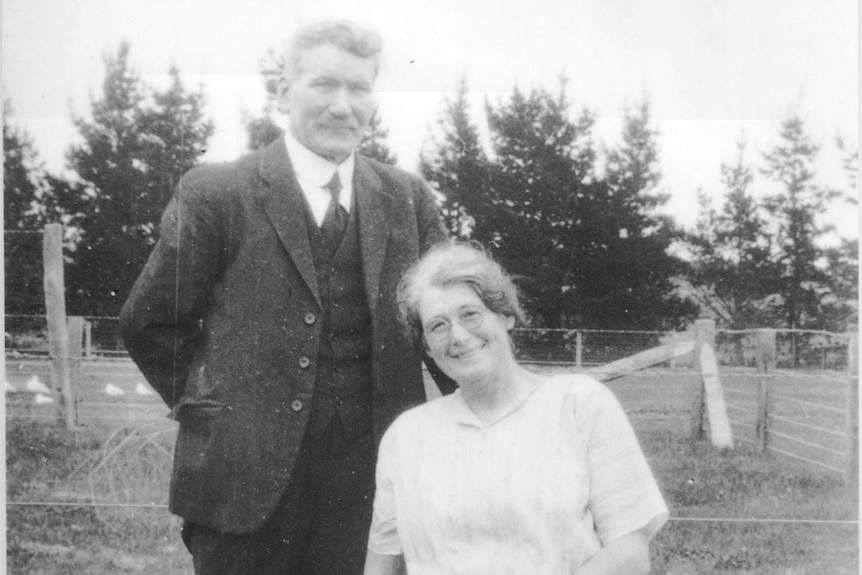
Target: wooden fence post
579 349
55 314
76 345
765 365
704 334
853 411
88 339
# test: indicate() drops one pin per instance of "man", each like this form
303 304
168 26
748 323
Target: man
265 318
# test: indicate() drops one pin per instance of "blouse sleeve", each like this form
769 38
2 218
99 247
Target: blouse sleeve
624 496
383 535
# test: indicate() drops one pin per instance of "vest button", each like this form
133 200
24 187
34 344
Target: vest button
296 405
309 318
303 362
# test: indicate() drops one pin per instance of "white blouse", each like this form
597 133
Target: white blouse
539 491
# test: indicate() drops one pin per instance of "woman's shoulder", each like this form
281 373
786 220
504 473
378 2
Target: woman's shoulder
576 385
580 392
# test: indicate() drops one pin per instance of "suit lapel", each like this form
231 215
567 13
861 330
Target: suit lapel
373 204
283 204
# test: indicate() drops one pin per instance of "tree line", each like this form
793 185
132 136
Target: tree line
578 222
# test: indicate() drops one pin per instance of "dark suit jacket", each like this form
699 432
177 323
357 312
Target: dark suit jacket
224 323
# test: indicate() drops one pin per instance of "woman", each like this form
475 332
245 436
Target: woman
515 472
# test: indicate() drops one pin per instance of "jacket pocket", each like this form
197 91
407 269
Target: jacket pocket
200 441
187 408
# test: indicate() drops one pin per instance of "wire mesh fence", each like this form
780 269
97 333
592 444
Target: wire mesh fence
27 335
806 416
796 349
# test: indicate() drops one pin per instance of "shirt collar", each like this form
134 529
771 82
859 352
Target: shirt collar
313 170
461 412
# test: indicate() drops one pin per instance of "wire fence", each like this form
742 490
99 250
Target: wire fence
807 415
796 349
806 409
27 335
123 482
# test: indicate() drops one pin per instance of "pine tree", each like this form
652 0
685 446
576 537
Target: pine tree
135 148
763 263
262 131
796 210
733 268
374 144
456 166
21 175
631 278
541 180
23 185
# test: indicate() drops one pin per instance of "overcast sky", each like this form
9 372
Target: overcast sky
713 69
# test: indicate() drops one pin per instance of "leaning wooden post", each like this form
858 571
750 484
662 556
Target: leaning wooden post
765 365
853 411
704 334
55 313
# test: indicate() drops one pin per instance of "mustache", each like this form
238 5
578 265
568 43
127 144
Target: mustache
338 126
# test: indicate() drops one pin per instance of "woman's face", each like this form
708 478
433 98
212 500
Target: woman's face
466 339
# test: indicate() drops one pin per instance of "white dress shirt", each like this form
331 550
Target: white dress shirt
314 172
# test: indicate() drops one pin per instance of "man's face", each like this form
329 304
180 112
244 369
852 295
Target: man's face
330 99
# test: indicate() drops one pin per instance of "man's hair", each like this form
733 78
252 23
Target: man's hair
343 34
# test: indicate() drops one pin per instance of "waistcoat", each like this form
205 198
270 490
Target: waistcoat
343 385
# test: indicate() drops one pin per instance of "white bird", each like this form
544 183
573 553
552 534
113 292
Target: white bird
41 399
142 389
112 389
36 386
10 388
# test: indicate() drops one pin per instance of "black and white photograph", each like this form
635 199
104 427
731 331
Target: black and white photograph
440 287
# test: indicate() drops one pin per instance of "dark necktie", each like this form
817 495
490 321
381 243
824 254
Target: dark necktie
335 220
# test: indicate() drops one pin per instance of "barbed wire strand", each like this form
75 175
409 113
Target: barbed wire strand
540 330
740 408
781 451
773 433
739 392
42 316
840 434
805 459
779 396
743 424
822 376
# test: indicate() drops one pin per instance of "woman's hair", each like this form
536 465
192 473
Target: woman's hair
457 262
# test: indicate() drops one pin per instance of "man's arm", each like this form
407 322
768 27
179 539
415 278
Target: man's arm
161 321
431 228
431 231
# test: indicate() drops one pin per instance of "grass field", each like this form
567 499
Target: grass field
737 511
